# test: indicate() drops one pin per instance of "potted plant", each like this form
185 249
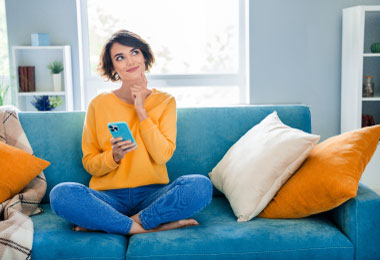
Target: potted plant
46 103
56 68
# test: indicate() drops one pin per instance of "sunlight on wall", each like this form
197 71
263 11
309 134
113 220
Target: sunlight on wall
4 58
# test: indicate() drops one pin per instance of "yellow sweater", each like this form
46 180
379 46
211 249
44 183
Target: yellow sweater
155 137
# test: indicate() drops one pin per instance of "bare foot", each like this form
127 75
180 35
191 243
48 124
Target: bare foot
176 224
78 228
138 228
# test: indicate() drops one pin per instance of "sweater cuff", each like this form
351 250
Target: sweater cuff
146 125
110 162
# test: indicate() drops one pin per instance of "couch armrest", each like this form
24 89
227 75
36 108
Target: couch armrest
359 220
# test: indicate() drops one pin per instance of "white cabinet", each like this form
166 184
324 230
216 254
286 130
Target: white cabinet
361 28
40 57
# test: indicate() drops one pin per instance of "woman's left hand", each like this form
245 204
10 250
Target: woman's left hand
140 92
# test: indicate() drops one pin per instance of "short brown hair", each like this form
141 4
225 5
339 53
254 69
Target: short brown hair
127 38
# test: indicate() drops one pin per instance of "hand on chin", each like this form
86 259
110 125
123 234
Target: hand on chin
135 77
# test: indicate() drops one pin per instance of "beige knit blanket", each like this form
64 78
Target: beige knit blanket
16 228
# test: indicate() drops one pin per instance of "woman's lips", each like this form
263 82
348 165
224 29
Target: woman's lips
133 69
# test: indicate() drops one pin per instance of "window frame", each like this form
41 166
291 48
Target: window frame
241 79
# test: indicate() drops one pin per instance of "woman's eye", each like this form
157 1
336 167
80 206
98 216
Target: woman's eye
135 52
119 58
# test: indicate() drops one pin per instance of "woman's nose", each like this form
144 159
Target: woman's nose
128 61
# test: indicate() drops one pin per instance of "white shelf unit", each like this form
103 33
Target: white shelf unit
40 57
361 28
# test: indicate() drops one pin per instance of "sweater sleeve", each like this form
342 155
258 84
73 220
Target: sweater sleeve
96 161
160 137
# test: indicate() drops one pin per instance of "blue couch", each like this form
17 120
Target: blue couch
351 231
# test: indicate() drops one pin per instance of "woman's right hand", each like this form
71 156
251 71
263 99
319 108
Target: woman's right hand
120 148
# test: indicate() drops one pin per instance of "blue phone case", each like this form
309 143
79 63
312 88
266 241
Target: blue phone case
121 129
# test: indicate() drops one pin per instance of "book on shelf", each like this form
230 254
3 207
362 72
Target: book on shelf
31 79
27 80
21 78
367 120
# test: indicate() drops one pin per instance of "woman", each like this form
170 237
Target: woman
129 191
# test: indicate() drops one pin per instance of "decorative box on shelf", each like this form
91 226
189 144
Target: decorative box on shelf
40 39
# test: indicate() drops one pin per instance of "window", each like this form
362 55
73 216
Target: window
199 45
4 58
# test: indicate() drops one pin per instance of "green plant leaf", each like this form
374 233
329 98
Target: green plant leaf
3 92
55 67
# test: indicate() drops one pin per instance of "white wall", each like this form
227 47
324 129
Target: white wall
56 17
296 56
295 52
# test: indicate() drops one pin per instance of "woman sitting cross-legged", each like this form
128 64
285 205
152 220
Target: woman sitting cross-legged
129 191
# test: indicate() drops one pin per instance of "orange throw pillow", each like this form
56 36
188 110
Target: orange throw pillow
329 176
17 169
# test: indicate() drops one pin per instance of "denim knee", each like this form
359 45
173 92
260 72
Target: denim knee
199 187
62 194
188 195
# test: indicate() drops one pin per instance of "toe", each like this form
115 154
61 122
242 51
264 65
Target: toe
193 222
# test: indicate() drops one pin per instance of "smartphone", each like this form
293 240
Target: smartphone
121 129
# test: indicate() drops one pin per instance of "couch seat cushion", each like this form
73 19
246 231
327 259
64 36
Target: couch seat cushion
219 236
54 239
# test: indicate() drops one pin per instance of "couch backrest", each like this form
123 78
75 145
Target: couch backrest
203 137
57 137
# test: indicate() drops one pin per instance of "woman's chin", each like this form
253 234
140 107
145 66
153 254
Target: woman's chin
131 77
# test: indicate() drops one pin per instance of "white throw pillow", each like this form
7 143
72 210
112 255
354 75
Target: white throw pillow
259 163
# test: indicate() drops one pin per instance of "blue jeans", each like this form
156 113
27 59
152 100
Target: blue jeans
109 210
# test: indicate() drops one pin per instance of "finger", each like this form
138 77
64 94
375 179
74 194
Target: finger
127 146
145 81
136 92
118 146
143 77
116 140
124 147
130 149
136 88
123 143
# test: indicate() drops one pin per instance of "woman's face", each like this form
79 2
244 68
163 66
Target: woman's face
127 61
